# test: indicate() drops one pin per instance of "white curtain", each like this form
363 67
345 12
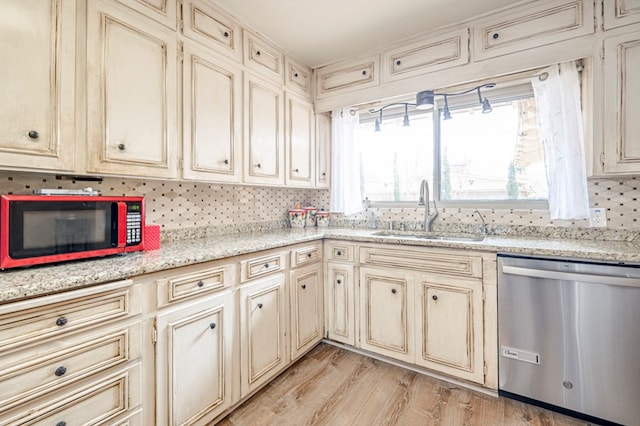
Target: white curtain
345 163
560 120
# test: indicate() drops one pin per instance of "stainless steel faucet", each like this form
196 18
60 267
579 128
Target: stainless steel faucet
424 201
483 229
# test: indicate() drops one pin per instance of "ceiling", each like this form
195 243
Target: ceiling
321 32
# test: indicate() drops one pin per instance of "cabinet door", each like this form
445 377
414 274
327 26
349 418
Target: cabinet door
163 11
617 13
622 104
194 361
37 57
307 317
450 327
212 28
300 137
263 330
349 76
131 93
386 312
323 150
264 153
340 306
212 117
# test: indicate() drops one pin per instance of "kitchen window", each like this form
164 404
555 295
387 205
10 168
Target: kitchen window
472 158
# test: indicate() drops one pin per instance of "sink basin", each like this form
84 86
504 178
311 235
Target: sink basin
424 236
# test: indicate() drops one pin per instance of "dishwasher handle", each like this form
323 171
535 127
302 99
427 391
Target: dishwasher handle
570 276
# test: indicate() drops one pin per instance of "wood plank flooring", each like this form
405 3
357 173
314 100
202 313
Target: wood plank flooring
333 386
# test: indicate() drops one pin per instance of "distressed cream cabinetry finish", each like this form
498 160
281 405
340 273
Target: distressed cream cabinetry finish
37 79
131 93
300 142
298 78
72 357
340 283
262 57
621 106
617 13
212 28
212 116
345 77
163 11
323 151
306 293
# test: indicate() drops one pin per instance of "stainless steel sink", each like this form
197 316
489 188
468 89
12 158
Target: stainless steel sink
425 236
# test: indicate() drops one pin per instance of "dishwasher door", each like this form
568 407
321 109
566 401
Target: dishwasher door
569 336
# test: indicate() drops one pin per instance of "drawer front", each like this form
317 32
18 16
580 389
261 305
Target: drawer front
39 375
428 260
306 255
194 284
261 266
96 403
432 54
262 56
340 252
342 78
298 77
212 28
31 325
542 24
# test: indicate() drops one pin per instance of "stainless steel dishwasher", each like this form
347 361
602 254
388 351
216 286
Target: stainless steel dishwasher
569 336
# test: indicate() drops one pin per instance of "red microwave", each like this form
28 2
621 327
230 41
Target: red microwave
38 229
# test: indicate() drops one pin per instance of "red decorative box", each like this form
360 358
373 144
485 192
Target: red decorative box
151 237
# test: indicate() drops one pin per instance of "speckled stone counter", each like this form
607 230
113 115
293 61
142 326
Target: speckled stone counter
36 281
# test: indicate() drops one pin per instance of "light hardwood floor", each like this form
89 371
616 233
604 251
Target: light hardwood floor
333 386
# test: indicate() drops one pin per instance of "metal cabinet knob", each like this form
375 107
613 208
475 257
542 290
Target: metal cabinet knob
258 53
226 161
296 170
434 297
258 165
266 265
308 254
398 62
364 72
304 286
295 75
339 281
200 283
226 34
212 325
33 134
61 423
61 321
394 291
259 305
495 35
339 253
324 173
60 371
122 146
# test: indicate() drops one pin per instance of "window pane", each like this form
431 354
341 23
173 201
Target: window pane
495 156
395 159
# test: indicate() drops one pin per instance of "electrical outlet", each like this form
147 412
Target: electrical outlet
598 217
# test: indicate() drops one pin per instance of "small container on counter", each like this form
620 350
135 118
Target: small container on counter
322 218
151 237
297 218
311 215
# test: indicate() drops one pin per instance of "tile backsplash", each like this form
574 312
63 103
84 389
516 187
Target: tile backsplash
178 205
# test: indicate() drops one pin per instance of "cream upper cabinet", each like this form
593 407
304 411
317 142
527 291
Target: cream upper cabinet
306 302
298 78
348 76
263 132
37 78
622 103
212 117
340 303
300 142
525 27
449 332
323 151
163 11
617 13
131 94
263 57
386 312
263 306
427 55
194 359
212 28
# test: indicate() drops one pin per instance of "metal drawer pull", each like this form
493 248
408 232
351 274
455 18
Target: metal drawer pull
33 134
62 423
266 265
61 321
495 35
304 286
200 283
308 254
259 305
60 371
339 281
212 325
394 291
434 297
339 253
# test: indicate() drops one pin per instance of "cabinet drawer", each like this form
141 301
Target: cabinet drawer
428 260
427 55
212 28
298 77
51 316
542 24
346 77
97 402
340 251
162 11
194 284
262 56
35 375
261 266
305 255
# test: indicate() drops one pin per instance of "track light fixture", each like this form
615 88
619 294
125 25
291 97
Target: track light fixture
425 100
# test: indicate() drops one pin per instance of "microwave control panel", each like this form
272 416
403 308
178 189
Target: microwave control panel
134 224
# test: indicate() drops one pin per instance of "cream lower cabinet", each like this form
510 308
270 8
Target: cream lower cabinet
306 301
340 303
194 354
263 305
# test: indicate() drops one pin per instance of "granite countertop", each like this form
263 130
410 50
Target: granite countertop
35 281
